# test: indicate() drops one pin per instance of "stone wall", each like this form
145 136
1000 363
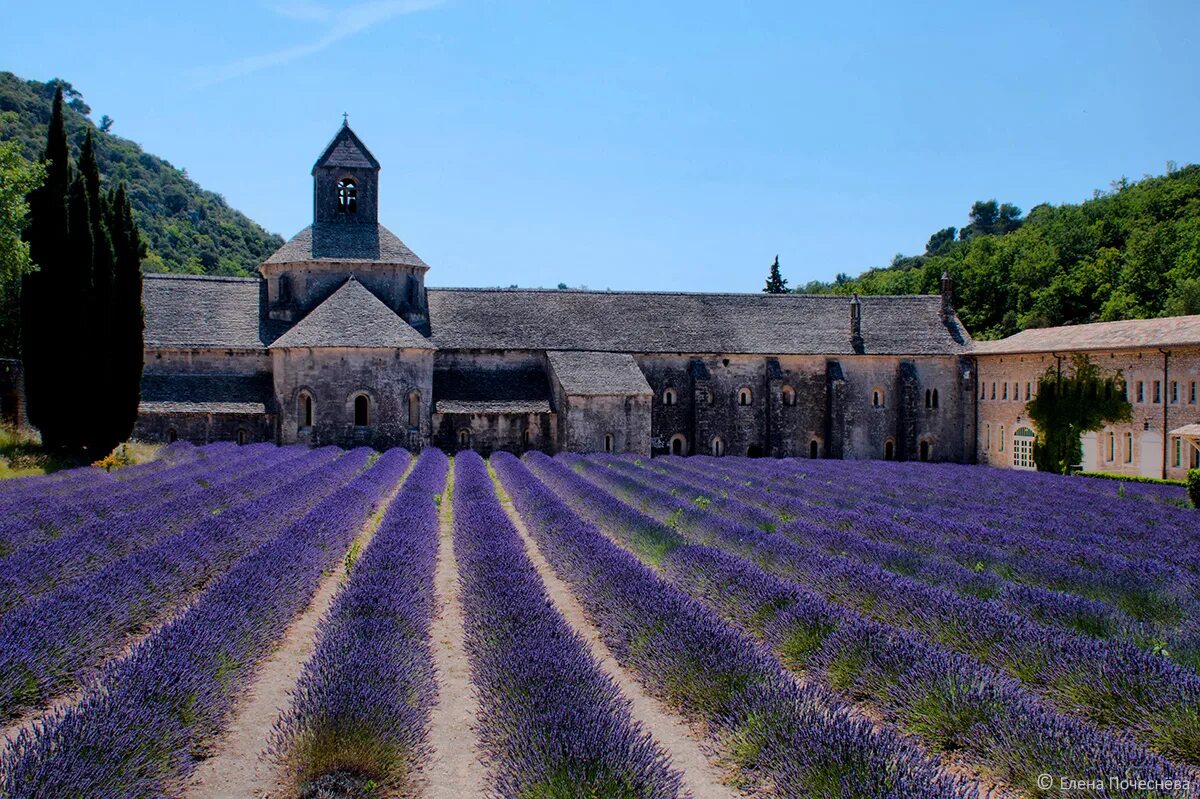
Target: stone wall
588 420
205 428
489 432
295 289
1135 448
207 361
334 377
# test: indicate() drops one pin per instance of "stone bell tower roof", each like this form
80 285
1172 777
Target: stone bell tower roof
346 150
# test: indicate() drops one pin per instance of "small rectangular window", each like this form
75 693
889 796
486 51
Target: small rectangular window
1141 391
1001 438
1174 391
1004 390
993 390
1112 447
1192 393
1129 447
1028 391
987 437
1177 447
1157 392
983 390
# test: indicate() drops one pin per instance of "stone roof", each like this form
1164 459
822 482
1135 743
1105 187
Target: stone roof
491 406
598 374
346 149
352 317
1172 331
646 322
188 311
209 393
346 244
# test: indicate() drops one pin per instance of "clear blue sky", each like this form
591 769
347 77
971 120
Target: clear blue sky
626 145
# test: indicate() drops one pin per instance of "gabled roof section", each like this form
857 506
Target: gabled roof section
347 244
196 312
346 150
598 374
352 317
675 322
206 393
1171 331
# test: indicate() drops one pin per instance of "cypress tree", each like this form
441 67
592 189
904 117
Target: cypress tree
74 359
128 323
99 317
49 298
775 281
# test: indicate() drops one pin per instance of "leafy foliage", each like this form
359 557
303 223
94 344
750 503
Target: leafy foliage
1130 253
18 177
187 229
1069 405
1193 486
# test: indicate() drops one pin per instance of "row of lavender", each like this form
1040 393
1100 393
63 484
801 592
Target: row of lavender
951 700
69 481
31 515
53 641
133 733
551 722
1154 605
800 738
161 511
361 707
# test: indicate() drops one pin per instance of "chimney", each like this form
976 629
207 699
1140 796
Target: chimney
856 339
947 297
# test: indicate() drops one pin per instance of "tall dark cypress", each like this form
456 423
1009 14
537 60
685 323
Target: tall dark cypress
100 317
49 297
127 317
77 381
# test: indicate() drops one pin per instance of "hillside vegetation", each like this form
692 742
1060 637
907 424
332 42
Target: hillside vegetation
1129 253
187 228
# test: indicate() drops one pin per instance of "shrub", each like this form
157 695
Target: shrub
1193 487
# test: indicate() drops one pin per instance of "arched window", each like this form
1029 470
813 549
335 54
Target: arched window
347 197
608 442
242 436
889 450
934 399
305 410
928 398
1112 447
172 435
1023 440
1001 438
814 449
525 438
678 444
1129 447
464 437
745 396
718 446
789 396
362 408
414 409
669 396
926 451
877 397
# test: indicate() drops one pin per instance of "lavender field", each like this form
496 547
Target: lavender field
247 621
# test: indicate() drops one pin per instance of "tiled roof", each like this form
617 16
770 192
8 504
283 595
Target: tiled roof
197 312
598 374
491 406
346 149
196 393
1171 331
346 243
352 317
517 385
688 323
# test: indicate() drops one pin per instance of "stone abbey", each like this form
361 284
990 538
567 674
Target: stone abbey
340 342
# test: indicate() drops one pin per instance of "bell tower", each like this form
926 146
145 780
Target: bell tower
346 183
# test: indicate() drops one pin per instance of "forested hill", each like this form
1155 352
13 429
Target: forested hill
1129 253
187 228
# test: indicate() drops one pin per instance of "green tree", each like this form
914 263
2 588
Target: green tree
776 284
18 177
127 317
1083 400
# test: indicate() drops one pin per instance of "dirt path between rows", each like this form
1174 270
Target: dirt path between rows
701 778
454 769
238 764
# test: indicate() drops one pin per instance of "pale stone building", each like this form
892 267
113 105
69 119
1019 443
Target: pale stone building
340 341
1160 362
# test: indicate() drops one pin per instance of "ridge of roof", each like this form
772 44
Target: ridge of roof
1123 334
209 278
362 243
668 293
345 133
352 317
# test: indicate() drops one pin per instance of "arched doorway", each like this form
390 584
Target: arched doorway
754 451
814 449
678 444
925 451
1023 440
889 450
